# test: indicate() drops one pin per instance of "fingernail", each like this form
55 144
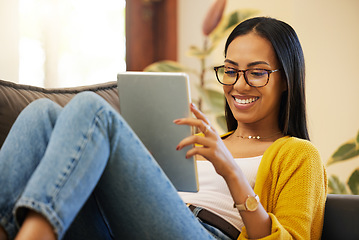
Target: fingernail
178 148
193 105
176 120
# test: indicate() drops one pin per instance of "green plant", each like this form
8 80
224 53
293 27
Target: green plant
215 28
346 151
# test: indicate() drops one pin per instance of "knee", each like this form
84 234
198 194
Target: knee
87 97
87 101
39 111
42 106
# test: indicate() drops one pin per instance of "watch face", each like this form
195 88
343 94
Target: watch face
252 204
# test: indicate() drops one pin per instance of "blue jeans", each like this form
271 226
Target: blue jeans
85 170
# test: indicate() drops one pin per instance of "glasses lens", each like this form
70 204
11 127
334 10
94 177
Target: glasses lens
226 76
257 77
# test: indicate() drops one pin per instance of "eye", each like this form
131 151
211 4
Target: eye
257 73
230 72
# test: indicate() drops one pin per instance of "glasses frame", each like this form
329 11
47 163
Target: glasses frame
244 75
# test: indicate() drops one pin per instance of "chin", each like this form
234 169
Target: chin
244 119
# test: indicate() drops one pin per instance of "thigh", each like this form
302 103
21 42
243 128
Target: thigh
138 199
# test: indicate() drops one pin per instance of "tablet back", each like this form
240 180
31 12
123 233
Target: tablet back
149 102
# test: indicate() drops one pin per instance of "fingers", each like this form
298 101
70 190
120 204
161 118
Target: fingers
194 140
201 121
200 145
198 114
197 151
204 127
208 128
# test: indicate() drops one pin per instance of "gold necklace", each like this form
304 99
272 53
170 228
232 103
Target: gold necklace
258 137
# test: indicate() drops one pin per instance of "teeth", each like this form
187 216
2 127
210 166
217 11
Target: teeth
246 101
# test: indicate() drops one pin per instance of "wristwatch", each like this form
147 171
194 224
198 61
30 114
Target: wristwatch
251 204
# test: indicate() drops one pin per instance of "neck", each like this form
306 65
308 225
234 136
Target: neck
256 134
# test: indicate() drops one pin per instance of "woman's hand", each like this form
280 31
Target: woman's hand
211 145
212 148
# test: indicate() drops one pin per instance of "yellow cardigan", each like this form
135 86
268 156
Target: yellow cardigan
292 186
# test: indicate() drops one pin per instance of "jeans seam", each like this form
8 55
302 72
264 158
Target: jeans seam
71 166
65 173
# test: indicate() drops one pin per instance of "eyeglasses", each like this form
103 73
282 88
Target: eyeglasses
254 77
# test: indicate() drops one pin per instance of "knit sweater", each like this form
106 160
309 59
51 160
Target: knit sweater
292 186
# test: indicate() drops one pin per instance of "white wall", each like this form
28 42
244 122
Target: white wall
9 50
329 33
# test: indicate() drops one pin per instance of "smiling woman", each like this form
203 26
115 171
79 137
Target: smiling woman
262 179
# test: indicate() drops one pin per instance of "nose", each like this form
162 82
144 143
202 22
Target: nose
241 83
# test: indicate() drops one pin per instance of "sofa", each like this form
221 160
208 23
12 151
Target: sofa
15 97
341 219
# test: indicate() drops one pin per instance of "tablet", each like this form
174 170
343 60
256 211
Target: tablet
149 102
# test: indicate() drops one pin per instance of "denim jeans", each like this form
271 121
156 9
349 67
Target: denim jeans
85 170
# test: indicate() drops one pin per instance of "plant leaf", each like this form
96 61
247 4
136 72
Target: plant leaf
213 16
353 182
336 186
199 53
214 99
346 151
166 66
221 121
228 22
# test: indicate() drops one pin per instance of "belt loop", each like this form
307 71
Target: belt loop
197 210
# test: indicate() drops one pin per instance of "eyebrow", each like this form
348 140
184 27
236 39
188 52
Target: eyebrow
231 62
249 64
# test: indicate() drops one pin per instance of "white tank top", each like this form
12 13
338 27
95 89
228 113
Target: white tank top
214 194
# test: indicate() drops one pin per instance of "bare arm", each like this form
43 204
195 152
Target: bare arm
258 223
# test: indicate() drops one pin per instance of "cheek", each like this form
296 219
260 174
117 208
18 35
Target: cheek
273 99
227 90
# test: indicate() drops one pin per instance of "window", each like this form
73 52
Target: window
66 43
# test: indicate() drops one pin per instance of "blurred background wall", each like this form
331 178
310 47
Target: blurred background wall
9 40
329 33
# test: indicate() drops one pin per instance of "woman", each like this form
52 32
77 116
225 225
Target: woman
83 174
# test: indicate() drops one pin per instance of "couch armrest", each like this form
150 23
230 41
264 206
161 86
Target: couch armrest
15 97
341 217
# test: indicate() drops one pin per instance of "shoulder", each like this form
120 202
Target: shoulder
293 151
293 145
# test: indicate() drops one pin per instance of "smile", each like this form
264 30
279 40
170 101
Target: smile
246 101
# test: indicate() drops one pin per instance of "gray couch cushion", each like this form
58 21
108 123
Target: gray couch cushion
15 97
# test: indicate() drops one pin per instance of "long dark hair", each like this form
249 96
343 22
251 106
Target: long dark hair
285 42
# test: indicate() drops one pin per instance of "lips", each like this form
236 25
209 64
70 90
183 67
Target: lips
244 103
245 100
